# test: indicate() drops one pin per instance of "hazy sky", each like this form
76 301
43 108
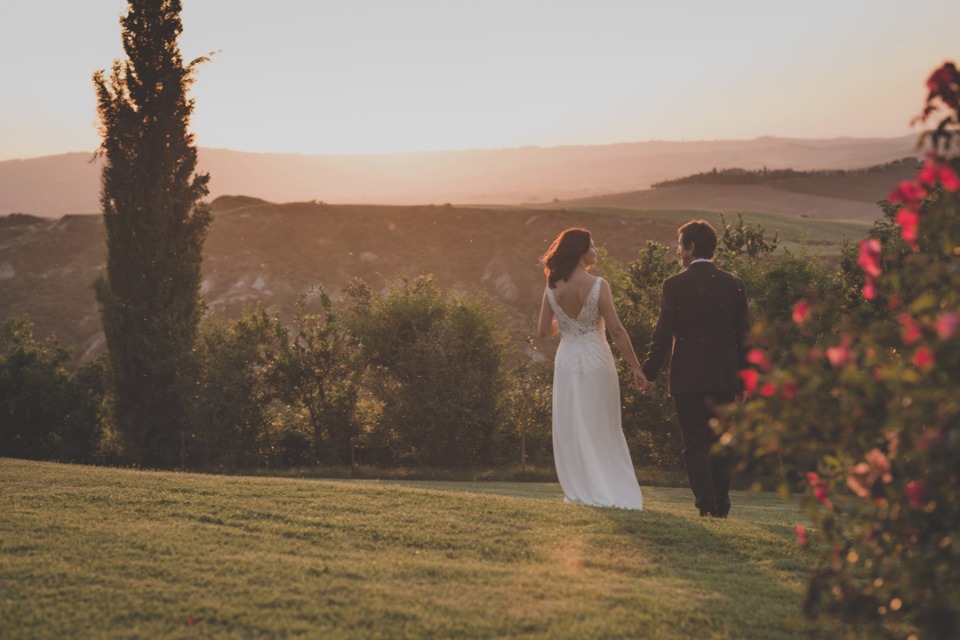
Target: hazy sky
358 76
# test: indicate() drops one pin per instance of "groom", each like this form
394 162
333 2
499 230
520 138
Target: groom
703 324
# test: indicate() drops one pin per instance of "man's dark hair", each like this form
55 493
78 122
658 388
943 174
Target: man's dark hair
702 234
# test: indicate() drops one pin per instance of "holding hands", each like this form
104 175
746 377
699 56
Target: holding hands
641 381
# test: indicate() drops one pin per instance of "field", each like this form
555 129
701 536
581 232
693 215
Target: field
108 553
818 236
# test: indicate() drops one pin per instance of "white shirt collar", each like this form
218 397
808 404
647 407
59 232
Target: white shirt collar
700 260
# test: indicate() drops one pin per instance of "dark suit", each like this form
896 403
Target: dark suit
703 323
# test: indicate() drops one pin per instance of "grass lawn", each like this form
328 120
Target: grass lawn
90 552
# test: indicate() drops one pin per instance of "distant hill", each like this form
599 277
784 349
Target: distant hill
56 185
837 194
877 177
258 252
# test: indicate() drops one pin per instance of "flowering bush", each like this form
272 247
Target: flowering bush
862 412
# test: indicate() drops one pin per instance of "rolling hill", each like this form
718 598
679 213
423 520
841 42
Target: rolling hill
821 195
65 184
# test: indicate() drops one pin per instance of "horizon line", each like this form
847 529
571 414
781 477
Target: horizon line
93 153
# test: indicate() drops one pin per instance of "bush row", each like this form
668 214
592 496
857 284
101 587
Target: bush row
410 376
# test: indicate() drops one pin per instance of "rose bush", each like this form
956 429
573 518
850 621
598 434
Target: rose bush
860 409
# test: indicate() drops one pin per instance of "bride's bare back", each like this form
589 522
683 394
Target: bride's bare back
572 295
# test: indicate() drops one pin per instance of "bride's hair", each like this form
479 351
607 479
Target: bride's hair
564 254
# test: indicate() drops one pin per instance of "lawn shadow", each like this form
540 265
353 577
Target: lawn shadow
743 576
724 570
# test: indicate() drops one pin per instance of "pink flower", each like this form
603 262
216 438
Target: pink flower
758 358
928 173
839 355
909 221
863 475
934 171
880 464
749 378
909 193
869 259
821 494
800 311
854 483
948 178
910 330
869 289
802 537
819 488
947 324
918 493
768 390
941 79
943 83
923 358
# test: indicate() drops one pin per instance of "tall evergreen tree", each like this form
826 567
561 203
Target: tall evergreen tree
155 224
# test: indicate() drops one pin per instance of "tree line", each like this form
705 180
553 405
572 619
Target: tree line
736 175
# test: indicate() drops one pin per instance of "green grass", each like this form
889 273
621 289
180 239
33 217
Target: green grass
90 552
818 234
646 475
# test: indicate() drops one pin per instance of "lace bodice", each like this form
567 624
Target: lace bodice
589 322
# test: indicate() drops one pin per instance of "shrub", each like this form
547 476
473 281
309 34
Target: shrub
229 411
45 413
747 240
864 411
435 367
525 436
318 368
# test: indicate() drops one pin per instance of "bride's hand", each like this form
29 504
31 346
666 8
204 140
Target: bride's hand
640 380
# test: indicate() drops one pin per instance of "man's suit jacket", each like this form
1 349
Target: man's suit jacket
703 320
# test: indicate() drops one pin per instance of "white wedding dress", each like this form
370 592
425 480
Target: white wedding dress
590 450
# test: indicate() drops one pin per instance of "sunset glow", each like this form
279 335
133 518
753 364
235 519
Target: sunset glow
367 76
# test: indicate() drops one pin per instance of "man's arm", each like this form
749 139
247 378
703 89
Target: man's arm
742 327
662 340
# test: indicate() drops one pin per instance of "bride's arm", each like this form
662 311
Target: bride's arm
548 324
618 333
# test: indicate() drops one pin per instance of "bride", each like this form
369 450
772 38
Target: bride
591 454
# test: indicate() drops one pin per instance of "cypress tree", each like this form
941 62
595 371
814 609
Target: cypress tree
155 226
